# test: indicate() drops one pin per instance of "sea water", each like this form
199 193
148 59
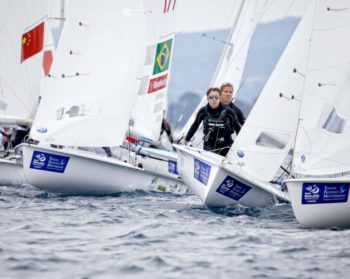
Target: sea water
159 235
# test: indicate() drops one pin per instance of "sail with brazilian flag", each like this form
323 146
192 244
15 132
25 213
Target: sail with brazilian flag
151 103
161 66
32 42
163 54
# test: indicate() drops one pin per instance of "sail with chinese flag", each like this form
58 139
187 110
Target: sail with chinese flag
32 41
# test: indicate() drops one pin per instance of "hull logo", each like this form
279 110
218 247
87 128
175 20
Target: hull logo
314 193
232 188
48 162
172 167
201 171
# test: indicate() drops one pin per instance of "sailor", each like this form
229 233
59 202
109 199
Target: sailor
166 128
227 98
219 123
19 135
6 133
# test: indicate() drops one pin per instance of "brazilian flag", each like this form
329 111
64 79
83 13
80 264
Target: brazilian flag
162 59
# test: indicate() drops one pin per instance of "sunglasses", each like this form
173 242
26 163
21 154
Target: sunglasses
214 98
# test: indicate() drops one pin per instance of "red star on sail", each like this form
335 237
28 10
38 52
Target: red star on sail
32 42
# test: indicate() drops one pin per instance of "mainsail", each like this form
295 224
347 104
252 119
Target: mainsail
322 145
95 76
268 134
231 65
152 99
22 31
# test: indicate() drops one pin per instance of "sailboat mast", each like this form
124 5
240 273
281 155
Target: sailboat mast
223 53
62 11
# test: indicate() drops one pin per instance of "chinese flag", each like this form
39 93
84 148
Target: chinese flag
32 41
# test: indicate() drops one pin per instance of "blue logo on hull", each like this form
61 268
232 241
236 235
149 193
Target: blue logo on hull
201 171
232 188
313 193
172 167
49 162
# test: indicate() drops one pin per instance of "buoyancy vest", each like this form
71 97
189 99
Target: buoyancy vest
216 126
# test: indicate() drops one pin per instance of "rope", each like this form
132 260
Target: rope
221 148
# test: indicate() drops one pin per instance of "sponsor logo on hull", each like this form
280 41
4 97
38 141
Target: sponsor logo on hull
314 193
172 167
232 188
201 171
48 162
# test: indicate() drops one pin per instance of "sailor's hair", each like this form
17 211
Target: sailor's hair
210 89
226 84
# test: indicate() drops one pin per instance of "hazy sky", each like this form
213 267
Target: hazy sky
199 15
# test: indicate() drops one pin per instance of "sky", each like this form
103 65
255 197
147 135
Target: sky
211 15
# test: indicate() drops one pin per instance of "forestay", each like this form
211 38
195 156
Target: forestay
95 77
152 100
322 144
21 33
268 134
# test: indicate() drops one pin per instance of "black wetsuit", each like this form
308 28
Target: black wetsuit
166 127
218 126
238 112
18 135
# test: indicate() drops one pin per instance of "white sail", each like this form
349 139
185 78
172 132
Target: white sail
20 79
322 144
95 76
269 132
235 53
152 99
231 65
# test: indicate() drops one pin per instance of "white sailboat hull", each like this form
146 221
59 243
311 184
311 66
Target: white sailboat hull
11 173
166 180
216 185
159 161
81 172
320 203
162 163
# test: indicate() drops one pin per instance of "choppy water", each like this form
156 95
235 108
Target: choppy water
157 235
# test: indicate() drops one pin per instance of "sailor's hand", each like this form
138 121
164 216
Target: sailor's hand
5 139
183 141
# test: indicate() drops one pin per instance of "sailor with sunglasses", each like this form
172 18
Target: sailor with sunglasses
219 123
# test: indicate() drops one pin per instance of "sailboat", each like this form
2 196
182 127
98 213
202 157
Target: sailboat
319 189
21 43
147 116
91 91
246 175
